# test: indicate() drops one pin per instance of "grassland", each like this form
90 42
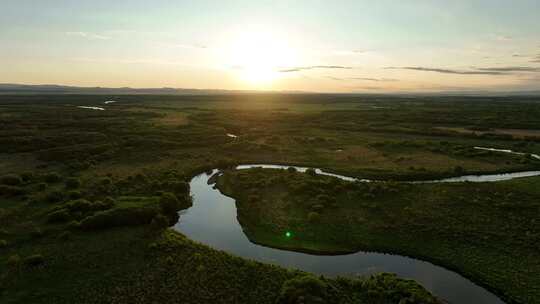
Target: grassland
130 158
488 231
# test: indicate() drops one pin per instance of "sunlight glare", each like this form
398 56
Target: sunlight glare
257 56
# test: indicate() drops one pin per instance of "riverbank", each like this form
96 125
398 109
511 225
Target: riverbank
57 249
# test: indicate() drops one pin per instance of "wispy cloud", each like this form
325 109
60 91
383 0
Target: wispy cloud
363 79
151 61
511 69
376 79
501 37
87 35
370 88
350 52
189 46
313 67
449 71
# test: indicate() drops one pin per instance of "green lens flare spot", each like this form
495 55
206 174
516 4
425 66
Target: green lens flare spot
288 234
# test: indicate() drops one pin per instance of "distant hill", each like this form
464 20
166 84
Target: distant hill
9 88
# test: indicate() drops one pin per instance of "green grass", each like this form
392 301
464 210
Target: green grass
488 232
138 264
144 146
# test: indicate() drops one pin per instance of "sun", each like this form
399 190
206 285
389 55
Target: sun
256 56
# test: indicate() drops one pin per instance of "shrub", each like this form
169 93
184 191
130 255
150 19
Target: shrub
58 216
389 286
109 202
169 203
306 289
82 205
27 176
73 225
14 261
311 172
159 222
3 243
291 169
52 177
10 180
74 195
314 217
317 207
66 235
459 170
105 181
180 188
36 232
73 183
324 199
119 217
6 190
34 260
42 186
54 196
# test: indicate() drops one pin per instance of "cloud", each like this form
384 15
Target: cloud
150 61
189 46
449 71
313 67
500 37
88 35
376 79
364 88
336 78
364 79
510 69
350 52
537 59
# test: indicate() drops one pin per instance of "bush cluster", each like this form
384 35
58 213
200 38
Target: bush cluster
6 190
52 177
119 217
10 180
305 289
388 287
73 183
34 260
77 209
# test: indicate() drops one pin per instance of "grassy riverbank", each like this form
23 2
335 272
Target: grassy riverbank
115 248
488 232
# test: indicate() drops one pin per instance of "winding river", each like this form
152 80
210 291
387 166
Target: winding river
212 220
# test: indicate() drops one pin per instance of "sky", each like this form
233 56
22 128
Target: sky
300 45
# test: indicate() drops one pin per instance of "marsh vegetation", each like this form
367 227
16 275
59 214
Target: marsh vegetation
86 195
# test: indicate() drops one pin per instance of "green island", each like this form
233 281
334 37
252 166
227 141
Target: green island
86 196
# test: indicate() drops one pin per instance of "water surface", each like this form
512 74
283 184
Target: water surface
91 108
213 221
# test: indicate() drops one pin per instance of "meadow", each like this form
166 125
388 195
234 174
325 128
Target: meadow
86 196
487 231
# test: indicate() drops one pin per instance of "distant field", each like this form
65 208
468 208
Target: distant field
516 133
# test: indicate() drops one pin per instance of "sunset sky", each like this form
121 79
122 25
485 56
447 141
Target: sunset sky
319 46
